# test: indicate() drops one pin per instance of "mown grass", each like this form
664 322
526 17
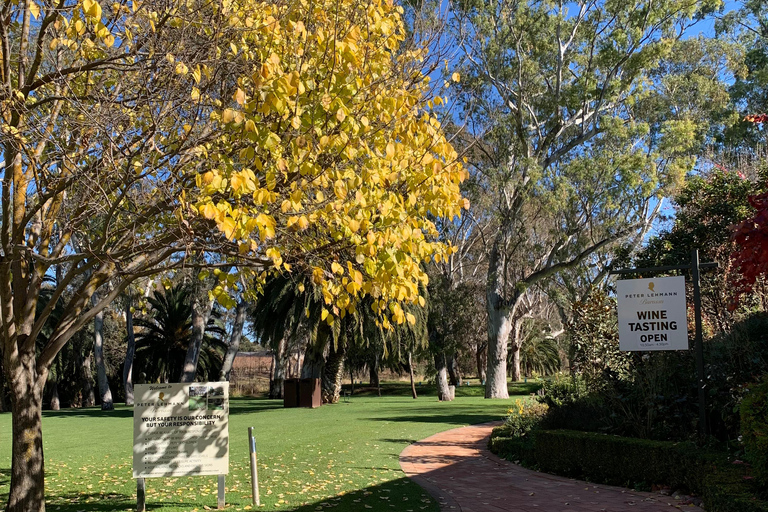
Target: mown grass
342 457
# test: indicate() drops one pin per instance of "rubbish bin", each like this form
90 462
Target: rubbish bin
309 393
291 393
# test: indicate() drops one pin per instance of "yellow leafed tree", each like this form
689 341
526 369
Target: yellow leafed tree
144 136
329 159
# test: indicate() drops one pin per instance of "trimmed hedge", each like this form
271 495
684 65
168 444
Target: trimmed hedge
754 429
640 463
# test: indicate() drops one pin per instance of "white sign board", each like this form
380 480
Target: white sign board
181 429
652 314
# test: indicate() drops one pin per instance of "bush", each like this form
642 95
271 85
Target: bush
517 449
563 390
523 417
638 463
754 430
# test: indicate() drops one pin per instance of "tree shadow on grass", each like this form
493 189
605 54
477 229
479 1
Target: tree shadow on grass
237 405
244 405
91 412
96 502
400 494
451 415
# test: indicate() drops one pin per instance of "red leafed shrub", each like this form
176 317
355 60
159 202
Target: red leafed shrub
751 237
757 118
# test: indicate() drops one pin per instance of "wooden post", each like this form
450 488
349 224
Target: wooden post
221 500
141 495
254 468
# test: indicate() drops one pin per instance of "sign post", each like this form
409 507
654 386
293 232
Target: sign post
254 468
695 267
180 430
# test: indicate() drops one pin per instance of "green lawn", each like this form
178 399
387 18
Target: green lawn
342 457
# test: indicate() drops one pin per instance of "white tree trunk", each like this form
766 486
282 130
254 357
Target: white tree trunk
201 313
130 352
443 389
234 341
98 351
499 328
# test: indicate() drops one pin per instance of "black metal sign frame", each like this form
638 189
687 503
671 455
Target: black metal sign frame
695 267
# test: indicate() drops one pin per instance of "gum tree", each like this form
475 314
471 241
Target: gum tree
576 143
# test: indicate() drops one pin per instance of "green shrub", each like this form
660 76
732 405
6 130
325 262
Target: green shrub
517 449
524 417
638 463
754 430
563 389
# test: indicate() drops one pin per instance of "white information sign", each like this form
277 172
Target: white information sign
181 429
652 314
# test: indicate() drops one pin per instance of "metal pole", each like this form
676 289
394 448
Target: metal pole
221 501
141 495
699 341
254 468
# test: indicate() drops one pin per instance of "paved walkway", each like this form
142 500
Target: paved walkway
457 469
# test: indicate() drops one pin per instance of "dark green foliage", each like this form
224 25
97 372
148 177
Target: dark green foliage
652 395
161 344
516 449
594 339
754 430
638 463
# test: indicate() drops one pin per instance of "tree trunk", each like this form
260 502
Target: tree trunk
410 372
3 384
443 391
130 352
234 341
516 344
498 338
201 312
314 360
481 360
101 371
453 370
279 361
373 372
516 373
499 327
55 401
27 491
89 398
333 373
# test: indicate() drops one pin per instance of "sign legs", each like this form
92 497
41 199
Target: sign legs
141 495
220 501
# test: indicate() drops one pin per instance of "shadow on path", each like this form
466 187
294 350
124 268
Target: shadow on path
457 469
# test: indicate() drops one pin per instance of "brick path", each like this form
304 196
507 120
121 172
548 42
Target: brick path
457 469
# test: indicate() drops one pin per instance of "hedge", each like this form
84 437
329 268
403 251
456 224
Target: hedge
639 463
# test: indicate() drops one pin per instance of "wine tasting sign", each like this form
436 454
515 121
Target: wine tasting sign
652 314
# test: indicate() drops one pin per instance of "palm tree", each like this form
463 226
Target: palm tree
291 304
161 345
539 352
